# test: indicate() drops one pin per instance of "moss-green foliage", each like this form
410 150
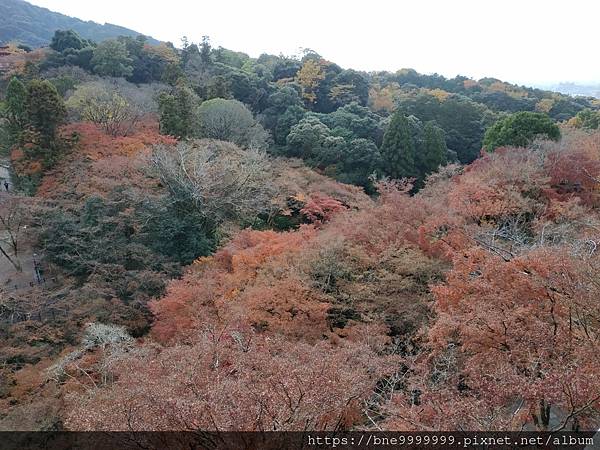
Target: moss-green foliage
112 59
32 114
520 129
45 110
586 119
232 121
124 236
68 39
434 152
14 110
463 121
178 112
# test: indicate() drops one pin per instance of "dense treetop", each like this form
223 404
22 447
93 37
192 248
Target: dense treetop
519 130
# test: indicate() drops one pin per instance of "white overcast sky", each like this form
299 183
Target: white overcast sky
523 41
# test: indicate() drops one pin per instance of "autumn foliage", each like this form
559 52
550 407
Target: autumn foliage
230 380
470 305
186 259
100 162
505 339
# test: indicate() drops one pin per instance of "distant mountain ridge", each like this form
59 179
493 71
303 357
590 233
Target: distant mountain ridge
34 26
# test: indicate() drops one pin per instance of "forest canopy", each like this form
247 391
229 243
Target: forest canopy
195 239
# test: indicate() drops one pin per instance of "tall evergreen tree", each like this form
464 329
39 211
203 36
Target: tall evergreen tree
434 151
178 111
205 49
15 111
111 58
398 148
46 110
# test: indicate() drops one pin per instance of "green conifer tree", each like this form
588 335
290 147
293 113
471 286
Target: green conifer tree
178 112
15 111
434 152
398 148
46 110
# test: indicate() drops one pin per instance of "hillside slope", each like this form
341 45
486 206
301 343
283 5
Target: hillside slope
34 26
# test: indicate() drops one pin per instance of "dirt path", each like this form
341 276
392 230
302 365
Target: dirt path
4 174
13 280
10 278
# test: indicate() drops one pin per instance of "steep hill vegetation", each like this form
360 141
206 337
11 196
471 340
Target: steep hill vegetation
196 239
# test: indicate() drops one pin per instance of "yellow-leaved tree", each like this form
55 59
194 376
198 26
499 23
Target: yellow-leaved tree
309 77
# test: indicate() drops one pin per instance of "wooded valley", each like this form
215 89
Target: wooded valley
195 239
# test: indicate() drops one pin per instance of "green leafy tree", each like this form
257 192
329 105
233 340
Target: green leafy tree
46 110
586 119
205 50
149 62
231 58
248 88
216 87
189 54
103 104
520 129
172 74
71 49
323 102
502 101
178 112
307 137
398 148
67 39
434 152
128 238
357 121
463 120
284 110
230 120
142 66
564 108
33 115
81 58
112 59
359 161
285 122
349 86
280 66
15 109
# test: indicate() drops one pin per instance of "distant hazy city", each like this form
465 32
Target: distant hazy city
591 90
